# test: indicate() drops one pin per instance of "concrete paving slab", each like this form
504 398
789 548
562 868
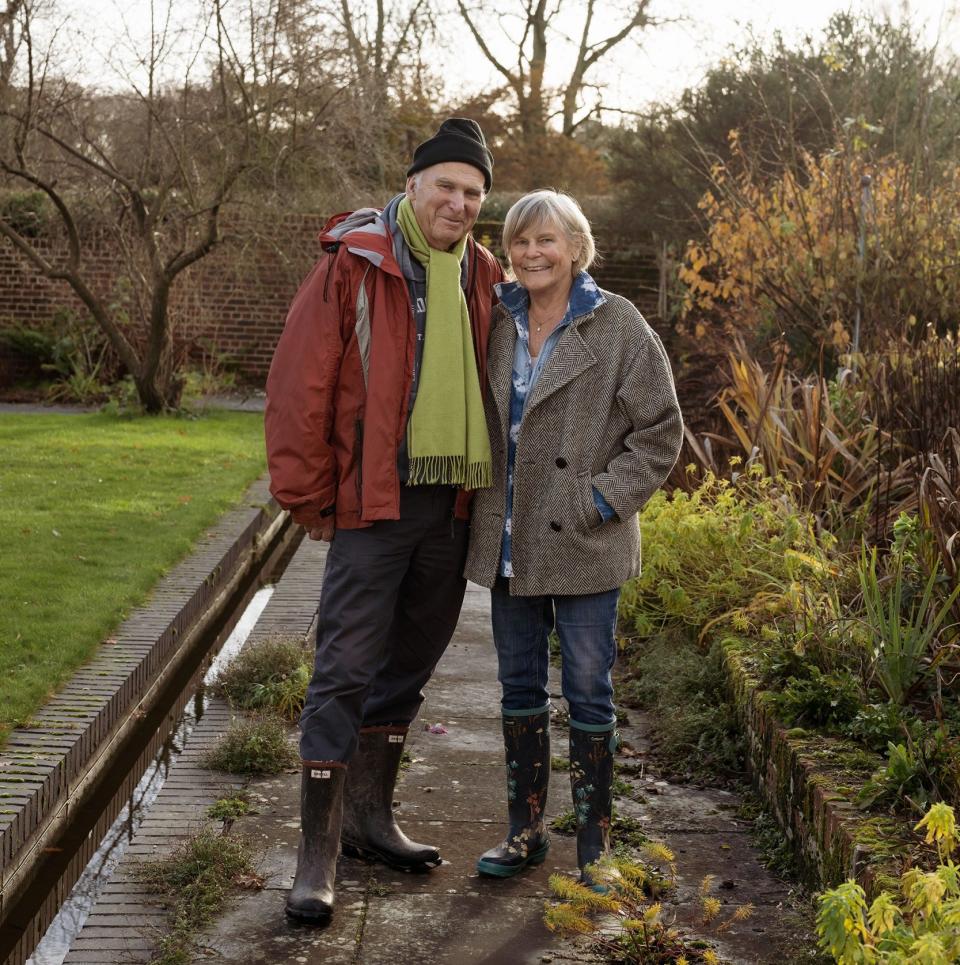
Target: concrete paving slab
255 931
721 855
451 930
460 847
666 807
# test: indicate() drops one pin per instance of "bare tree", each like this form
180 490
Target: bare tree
383 41
524 73
11 22
151 166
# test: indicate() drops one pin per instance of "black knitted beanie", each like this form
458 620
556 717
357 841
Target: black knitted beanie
458 139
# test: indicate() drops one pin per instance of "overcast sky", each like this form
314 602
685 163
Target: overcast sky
667 59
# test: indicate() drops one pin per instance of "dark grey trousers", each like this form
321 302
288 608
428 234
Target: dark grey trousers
390 601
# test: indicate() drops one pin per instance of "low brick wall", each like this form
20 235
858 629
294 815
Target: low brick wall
808 782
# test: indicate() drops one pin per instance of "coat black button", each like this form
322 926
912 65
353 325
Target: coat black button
561 463
555 526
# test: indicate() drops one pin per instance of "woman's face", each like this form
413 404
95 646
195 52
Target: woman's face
542 258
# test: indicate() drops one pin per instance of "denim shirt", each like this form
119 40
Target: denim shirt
585 296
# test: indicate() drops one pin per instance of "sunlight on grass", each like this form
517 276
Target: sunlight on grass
93 510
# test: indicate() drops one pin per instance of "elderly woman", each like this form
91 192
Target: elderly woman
584 427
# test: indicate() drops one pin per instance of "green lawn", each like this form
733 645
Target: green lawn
93 510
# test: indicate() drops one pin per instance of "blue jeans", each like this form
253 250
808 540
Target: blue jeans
585 625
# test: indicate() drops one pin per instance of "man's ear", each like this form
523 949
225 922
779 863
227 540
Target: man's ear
411 189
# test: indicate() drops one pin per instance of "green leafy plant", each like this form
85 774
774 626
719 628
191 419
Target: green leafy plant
195 883
819 699
920 925
740 552
229 808
876 725
903 628
692 718
901 779
924 767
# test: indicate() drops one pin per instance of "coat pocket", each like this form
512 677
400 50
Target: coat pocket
589 514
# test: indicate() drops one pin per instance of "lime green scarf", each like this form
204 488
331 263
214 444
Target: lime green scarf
447 438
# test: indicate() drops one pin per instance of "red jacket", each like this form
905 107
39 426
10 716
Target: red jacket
339 385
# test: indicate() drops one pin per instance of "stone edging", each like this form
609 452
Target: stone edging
798 776
45 768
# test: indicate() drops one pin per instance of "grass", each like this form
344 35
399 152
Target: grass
195 883
256 745
93 510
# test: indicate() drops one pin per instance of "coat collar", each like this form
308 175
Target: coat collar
570 357
585 298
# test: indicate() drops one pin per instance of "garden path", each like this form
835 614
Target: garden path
452 794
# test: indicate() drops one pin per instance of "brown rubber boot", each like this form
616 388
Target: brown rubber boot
321 811
369 828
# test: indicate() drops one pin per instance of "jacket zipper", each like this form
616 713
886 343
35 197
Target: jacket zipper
358 458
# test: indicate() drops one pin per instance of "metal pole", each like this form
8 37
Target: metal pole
861 263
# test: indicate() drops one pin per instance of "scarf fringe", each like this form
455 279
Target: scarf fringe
448 471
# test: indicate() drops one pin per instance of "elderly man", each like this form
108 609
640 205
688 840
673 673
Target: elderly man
375 436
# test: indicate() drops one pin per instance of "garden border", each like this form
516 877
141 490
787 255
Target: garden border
830 837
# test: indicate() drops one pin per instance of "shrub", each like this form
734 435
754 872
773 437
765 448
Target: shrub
781 252
920 925
734 551
819 699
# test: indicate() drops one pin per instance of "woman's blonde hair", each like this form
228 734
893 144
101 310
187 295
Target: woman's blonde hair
547 206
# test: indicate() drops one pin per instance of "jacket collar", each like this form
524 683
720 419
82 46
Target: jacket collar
372 234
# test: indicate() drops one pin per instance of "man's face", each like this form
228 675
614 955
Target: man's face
446 199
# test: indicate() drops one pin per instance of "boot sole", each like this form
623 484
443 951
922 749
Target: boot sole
380 857
493 870
309 918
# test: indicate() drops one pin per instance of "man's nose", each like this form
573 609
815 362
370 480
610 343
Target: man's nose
457 201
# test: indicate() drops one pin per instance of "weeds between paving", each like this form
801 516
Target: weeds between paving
194 884
271 675
93 510
255 745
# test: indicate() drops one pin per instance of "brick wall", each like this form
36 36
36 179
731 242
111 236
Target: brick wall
234 301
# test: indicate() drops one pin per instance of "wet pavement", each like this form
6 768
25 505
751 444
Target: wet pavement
452 795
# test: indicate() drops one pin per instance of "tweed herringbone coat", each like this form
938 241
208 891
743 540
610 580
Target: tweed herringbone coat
602 414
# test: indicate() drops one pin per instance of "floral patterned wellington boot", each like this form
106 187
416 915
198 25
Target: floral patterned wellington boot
591 781
526 741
